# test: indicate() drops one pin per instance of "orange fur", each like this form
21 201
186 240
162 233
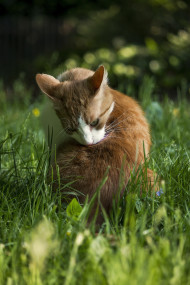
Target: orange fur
83 91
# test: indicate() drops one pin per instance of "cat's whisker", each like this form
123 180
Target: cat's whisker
117 137
111 134
126 117
126 129
118 130
112 127
63 130
115 120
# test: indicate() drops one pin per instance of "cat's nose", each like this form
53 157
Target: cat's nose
89 141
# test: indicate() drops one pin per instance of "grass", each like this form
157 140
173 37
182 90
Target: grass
43 241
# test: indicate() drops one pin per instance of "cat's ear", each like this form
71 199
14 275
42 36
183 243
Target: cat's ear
99 78
48 84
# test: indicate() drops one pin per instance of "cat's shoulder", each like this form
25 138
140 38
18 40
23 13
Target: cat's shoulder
124 100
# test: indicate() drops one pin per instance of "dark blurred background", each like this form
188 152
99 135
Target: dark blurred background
131 38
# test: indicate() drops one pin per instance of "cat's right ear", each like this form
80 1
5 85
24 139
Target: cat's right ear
99 78
48 85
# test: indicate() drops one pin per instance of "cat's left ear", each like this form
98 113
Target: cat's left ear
99 78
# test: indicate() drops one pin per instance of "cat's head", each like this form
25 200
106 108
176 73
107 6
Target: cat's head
82 102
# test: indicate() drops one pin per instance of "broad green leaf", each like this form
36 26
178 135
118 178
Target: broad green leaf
73 209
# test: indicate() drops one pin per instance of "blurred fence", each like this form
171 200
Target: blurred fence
22 40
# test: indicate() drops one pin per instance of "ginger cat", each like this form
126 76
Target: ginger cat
99 127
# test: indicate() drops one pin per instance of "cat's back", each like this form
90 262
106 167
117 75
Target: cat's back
127 104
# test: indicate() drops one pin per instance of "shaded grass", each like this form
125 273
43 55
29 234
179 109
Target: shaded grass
147 240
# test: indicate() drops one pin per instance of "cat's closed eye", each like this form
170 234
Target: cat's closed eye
94 123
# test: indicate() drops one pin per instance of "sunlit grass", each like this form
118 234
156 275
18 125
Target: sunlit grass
44 241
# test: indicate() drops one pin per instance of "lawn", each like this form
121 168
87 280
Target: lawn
44 241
